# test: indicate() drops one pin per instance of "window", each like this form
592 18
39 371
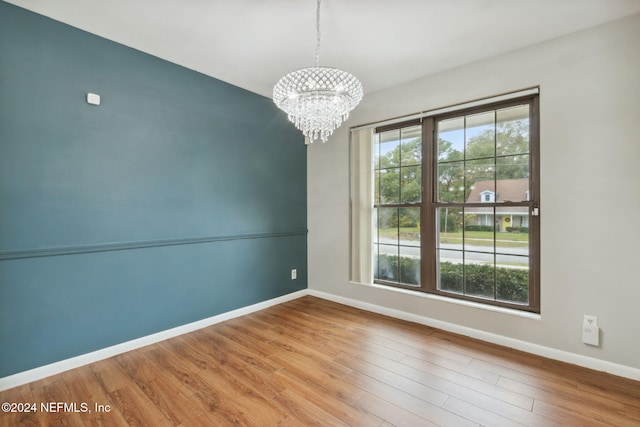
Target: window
454 204
397 198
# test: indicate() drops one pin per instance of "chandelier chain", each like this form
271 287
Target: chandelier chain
318 33
317 99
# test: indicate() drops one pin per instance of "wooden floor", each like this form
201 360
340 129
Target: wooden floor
313 362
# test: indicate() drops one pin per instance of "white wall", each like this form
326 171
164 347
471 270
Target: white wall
590 190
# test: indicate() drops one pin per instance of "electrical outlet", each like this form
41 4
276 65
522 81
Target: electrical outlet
294 274
590 320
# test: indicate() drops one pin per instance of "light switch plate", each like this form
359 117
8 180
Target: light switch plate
93 99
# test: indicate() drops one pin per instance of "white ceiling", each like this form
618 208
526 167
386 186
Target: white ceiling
252 43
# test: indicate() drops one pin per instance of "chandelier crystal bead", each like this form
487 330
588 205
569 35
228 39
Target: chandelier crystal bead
317 99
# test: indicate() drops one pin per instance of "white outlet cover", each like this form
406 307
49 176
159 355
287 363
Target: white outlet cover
590 335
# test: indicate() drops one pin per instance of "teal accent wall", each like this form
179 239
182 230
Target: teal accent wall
178 198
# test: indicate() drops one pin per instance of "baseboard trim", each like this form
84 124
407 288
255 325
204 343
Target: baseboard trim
551 353
95 356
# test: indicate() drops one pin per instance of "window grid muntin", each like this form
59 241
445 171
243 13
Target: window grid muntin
404 164
429 265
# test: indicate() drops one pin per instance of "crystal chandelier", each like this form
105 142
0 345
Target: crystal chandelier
317 99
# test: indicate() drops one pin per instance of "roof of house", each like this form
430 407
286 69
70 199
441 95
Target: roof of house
514 190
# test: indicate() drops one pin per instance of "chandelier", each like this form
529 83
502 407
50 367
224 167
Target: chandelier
317 99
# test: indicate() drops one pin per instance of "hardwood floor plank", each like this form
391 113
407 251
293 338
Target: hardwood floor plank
391 413
371 323
85 387
231 403
332 336
450 382
330 399
477 414
314 362
595 407
194 354
222 348
23 417
110 375
256 345
315 371
438 362
305 411
166 357
619 389
234 388
524 374
53 392
431 349
566 417
136 407
158 388
632 411
370 377
409 401
486 351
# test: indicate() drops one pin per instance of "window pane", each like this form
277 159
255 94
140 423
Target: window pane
376 254
388 226
409 265
512 236
479 176
451 182
480 135
478 237
451 139
512 279
411 145
375 225
450 271
409 221
512 167
411 184
450 235
512 136
376 187
479 279
388 263
478 232
389 185
389 148
376 151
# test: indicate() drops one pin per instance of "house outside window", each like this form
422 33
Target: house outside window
456 202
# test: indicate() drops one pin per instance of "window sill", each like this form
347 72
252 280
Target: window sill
470 304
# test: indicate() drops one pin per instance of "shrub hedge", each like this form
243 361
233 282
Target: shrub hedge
518 229
511 284
478 228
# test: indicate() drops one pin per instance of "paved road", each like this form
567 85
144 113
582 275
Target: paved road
473 254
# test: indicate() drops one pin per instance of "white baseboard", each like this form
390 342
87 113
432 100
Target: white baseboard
551 353
85 359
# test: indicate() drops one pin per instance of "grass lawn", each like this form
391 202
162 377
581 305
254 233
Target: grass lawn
477 238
